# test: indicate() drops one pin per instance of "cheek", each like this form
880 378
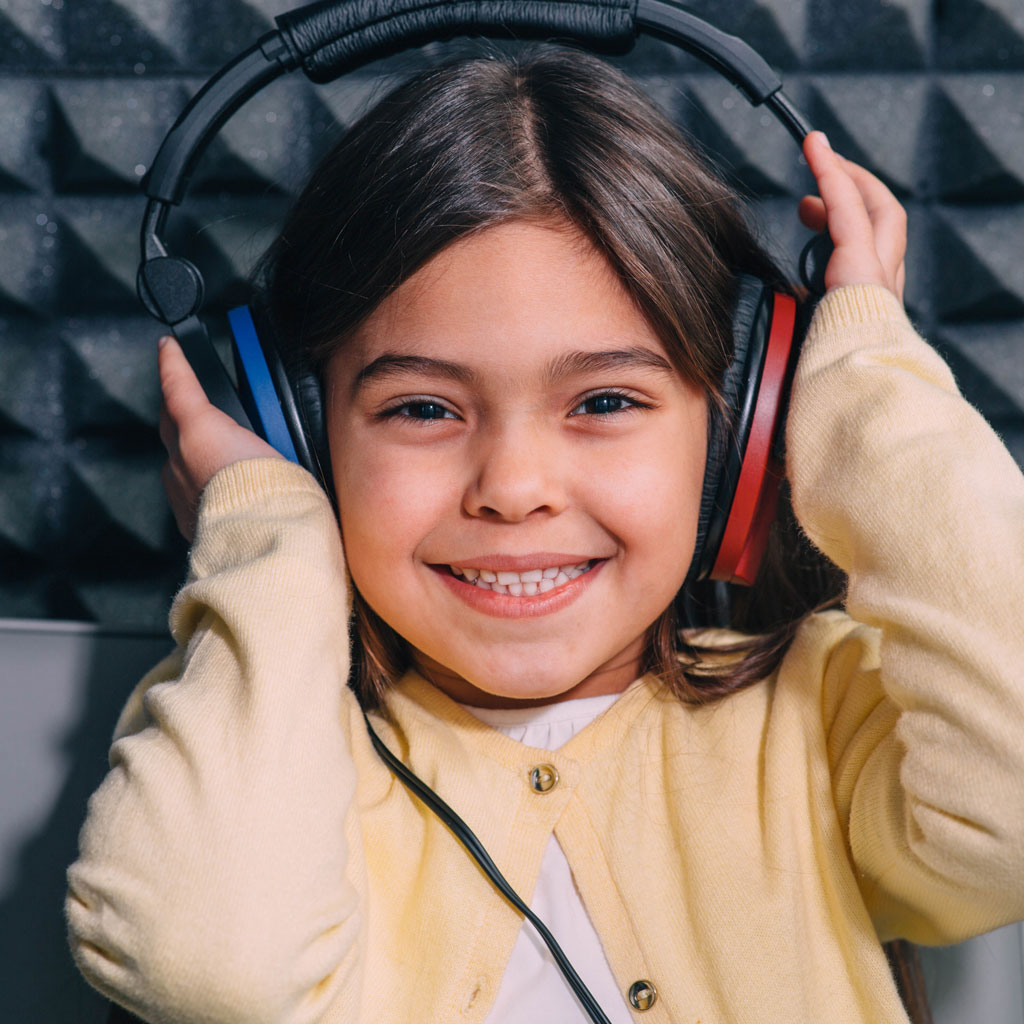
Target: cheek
658 514
389 501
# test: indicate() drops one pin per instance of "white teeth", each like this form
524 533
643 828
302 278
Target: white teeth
522 584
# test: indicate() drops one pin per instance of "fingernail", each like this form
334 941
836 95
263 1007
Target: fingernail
163 341
824 139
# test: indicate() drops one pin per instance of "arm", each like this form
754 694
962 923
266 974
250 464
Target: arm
902 484
211 880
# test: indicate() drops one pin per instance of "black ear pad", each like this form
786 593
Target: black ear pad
729 428
298 389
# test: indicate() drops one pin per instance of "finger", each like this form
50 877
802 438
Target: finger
901 277
886 213
183 394
848 220
811 211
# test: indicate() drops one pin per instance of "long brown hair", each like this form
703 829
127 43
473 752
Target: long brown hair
545 133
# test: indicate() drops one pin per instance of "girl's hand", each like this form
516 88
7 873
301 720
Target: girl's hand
199 438
867 224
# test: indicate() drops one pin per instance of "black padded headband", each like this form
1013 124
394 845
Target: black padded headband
330 37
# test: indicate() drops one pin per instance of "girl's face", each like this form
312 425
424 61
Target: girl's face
508 415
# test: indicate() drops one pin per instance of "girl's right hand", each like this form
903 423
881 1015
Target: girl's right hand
199 438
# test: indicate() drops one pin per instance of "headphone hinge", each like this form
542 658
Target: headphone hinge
275 47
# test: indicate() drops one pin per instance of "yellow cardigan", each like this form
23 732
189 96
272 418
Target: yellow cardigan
249 858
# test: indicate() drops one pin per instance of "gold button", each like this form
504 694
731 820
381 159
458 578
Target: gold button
543 778
642 995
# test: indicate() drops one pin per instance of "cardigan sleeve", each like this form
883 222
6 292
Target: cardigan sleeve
211 879
899 481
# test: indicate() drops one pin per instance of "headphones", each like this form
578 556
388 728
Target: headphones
279 397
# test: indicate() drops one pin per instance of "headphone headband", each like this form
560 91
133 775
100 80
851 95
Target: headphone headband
330 37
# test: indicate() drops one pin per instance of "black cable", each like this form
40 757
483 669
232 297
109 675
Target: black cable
476 850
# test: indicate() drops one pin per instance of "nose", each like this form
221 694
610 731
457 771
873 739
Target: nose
517 471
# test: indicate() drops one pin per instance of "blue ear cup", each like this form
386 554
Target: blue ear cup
280 393
256 386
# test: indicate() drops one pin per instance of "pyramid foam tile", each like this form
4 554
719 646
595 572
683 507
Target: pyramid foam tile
979 124
893 35
975 34
986 359
877 121
748 141
980 275
27 505
99 253
110 377
24 131
24 591
116 504
105 136
28 254
265 148
133 36
32 396
31 34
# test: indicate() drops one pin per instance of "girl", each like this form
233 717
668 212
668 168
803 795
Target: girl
515 279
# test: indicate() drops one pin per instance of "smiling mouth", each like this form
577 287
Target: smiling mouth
530 583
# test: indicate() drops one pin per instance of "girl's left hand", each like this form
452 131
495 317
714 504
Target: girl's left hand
867 223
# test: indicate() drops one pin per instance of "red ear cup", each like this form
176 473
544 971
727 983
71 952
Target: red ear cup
757 487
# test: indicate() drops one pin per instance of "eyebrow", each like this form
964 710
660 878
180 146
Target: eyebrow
569 365
392 365
635 358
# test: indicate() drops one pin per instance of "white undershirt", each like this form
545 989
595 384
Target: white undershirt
532 989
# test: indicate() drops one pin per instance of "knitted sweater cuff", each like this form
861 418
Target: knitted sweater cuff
857 304
252 480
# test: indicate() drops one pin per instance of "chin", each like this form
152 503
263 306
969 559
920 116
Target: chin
547 687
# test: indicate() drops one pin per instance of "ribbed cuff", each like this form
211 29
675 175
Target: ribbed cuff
857 304
251 480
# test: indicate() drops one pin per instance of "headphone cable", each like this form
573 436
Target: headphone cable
475 849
